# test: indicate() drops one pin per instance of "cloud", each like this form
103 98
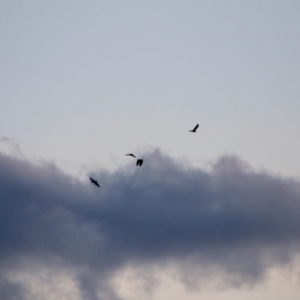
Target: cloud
10 291
231 220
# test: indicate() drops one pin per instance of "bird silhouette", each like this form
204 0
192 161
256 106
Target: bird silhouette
139 162
194 130
130 154
95 182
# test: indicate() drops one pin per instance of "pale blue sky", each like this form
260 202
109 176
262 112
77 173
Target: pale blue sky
84 82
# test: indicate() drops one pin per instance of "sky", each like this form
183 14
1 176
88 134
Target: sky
212 214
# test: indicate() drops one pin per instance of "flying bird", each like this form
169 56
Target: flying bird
95 182
139 162
130 154
194 130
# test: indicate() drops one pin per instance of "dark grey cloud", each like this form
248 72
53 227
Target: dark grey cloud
230 219
10 291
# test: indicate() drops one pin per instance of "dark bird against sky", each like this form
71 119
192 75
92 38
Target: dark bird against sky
95 182
195 129
139 162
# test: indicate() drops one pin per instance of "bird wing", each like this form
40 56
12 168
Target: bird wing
139 162
131 154
95 182
196 127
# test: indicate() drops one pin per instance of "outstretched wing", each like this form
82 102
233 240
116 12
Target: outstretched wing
131 154
95 182
196 127
139 162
